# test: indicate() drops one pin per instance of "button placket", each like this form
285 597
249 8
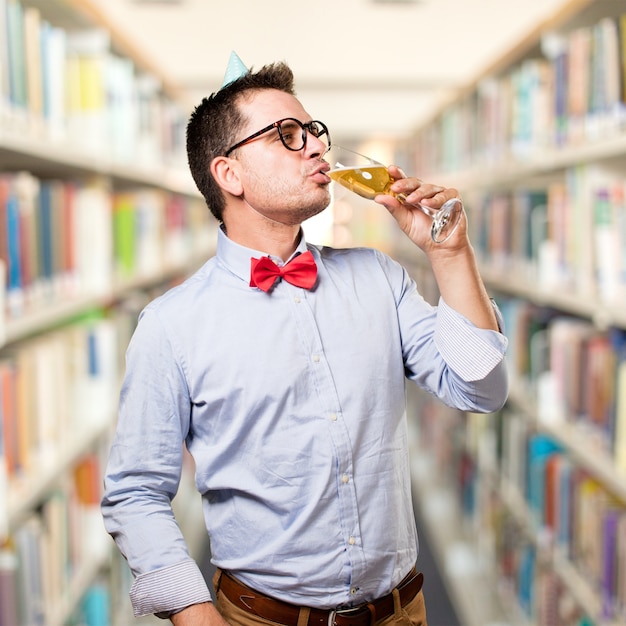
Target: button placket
338 431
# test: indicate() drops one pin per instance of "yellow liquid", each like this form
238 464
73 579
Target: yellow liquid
365 181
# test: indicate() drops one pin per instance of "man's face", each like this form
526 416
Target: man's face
284 185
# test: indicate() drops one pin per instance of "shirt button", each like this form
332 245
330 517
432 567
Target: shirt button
297 299
352 541
345 478
354 590
316 358
333 417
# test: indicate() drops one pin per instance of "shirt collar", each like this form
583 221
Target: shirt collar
236 257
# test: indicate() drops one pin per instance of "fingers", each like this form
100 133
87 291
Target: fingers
417 191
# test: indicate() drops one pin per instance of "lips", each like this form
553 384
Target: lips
319 173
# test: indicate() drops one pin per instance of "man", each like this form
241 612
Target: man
288 389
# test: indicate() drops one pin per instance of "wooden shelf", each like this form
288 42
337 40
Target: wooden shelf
498 174
586 305
29 144
61 311
24 493
542 164
469 578
573 580
577 441
59 159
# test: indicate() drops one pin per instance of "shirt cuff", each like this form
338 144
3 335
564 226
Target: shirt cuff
471 352
168 590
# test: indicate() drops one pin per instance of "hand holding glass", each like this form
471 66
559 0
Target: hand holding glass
369 178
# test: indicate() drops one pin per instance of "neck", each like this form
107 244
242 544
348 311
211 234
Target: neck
250 228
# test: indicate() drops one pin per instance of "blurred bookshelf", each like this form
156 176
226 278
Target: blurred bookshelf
98 214
537 148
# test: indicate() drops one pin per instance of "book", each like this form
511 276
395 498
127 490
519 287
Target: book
565 482
551 503
124 225
14 292
8 586
8 412
94 542
604 109
579 51
33 66
16 55
620 417
4 469
122 114
150 207
581 180
28 542
54 79
93 238
558 53
525 244
599 390
3 289
608 582
568 340
515 434
553 258
530 91
590 504
526 573
606 246
621 566
4 63
540 449
44 246
95 605
87 57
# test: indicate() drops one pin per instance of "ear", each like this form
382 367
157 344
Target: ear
225 171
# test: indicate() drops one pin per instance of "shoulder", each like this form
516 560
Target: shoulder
349 255
181 296
361 259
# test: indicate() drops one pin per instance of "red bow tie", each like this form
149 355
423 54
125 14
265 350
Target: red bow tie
301 271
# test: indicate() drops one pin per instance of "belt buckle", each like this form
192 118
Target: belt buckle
332 614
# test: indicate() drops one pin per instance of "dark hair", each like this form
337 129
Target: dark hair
215 123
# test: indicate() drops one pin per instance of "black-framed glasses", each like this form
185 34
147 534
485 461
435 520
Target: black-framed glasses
292 133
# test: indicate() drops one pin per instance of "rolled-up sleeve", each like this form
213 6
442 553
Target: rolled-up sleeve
143 475
470 351
169 589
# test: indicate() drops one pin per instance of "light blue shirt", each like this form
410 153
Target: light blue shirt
292 404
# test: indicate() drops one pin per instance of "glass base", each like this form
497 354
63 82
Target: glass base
446 220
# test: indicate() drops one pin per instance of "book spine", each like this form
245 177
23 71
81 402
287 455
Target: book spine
16 53
8 587
610 525
14 255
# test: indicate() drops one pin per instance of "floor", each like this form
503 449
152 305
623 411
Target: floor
439 609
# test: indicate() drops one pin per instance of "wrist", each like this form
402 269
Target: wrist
202 614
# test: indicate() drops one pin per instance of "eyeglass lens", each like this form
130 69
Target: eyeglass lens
293 133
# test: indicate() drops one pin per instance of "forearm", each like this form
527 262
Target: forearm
204 614
461 286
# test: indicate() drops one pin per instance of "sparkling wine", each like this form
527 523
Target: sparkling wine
366 181
368 178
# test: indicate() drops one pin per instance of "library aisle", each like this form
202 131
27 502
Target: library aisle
521 514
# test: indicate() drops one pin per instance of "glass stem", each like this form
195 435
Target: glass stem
430 212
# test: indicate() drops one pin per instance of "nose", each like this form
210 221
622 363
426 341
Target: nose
315 147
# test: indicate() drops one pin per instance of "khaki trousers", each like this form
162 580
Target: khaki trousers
411 614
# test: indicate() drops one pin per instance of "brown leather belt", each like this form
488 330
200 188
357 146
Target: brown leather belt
283 613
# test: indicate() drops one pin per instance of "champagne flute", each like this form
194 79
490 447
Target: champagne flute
369 178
